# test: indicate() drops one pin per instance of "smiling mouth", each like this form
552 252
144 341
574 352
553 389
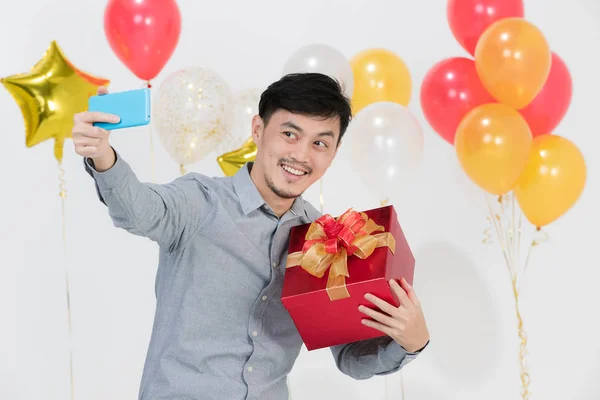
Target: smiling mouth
293 171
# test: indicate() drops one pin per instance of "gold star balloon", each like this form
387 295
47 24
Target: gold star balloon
231 162
50 95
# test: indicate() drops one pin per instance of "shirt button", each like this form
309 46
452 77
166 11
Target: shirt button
250 368
274 264
254 333
264 298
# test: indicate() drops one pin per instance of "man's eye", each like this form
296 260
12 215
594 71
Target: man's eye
321 144
289 134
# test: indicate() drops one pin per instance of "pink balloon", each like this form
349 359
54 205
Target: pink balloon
450 89
143 33
549 107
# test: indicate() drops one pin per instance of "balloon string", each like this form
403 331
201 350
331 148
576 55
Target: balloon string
507 245
539 237
385 387
148 85
487 232
182 169
508 235
496 221
525 378
63 195
515 233
509 240
402 386
383 202
519 232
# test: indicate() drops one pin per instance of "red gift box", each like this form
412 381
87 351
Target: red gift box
332 263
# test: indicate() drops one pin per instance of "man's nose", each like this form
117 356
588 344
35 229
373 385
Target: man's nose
300 153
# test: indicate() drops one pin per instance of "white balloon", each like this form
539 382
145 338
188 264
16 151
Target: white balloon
192 113
322 59
245 107
386 148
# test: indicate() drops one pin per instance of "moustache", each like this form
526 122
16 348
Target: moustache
296 164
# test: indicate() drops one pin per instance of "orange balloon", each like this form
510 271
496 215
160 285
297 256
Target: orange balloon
492 144
513 61
552 181
379 75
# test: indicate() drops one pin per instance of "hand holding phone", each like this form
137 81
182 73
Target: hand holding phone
132 107
91 141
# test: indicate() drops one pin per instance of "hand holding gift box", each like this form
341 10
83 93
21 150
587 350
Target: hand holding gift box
338 268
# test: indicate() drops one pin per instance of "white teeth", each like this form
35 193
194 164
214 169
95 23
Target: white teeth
293 171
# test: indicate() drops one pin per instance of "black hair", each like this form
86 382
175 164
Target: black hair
308 93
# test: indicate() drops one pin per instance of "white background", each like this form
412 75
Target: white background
462 283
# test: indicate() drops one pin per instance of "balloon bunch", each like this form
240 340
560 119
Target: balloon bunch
499 109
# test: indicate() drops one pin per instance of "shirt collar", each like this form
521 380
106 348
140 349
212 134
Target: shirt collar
250 198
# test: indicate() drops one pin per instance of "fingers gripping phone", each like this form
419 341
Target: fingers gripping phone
131 106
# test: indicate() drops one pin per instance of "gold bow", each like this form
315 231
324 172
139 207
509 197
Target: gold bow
329 242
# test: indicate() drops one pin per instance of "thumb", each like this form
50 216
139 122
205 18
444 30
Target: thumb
102 90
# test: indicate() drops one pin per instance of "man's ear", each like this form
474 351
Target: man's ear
257 129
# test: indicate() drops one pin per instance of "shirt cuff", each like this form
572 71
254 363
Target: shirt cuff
110 178
399 353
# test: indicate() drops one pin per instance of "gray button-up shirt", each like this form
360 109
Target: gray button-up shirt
220 330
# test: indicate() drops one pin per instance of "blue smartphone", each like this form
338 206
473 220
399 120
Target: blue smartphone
132 106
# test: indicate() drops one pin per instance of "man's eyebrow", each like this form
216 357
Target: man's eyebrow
327 133
292 125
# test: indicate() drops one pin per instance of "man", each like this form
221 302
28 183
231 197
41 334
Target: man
220 330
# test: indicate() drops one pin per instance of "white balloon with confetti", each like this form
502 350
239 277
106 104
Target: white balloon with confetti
192 113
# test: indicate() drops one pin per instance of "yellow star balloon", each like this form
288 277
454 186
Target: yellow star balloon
232 161
50 95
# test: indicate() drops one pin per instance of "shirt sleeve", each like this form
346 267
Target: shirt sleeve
366 358
168 214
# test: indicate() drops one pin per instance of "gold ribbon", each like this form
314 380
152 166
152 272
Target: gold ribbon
329 242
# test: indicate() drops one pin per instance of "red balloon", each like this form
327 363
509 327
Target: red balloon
549 107
469 18
450 89
143 33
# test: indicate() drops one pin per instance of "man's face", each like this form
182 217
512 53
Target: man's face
294 150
